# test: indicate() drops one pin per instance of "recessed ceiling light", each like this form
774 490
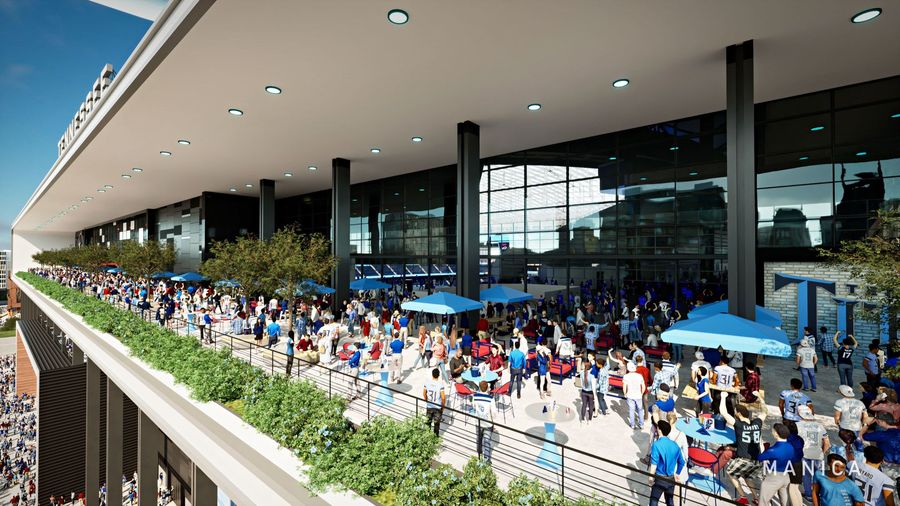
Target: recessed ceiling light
861 153
312 167
398 16
375 150
101 190
673 148
184 142
417 139
126 176
534 107
895 116
620 83
232 189
643 179
137 169
421 189
692 173
235 112
89 198
866 15
355 200
612 158
288 174
166 153
248 185
108 186
817 128
396 194
274 90
803 158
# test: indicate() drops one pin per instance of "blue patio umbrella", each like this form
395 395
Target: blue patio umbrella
227 283
730 332
162 275
114 270
368 284
190 277
764 316
442 303
504 295
309 287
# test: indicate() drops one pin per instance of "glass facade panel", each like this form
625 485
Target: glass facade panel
546 195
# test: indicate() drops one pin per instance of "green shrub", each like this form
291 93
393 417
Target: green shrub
381 452
431 487
479 484
524 491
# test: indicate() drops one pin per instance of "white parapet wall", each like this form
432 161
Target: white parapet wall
27 243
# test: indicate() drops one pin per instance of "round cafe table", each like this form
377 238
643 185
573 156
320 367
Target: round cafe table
691 428
488 376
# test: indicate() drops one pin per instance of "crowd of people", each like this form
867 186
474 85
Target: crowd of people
18 428
606 344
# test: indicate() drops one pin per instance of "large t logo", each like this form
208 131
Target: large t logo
806 298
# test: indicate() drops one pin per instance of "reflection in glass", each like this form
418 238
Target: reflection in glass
806 201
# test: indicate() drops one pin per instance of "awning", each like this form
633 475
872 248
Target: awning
731 333
764 316
442 303
368 284
504 295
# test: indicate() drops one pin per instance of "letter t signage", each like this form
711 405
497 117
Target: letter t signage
806 298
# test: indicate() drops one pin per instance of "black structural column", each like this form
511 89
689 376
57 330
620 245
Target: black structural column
741 181
468 175
150 445
114 443
266 208
92 436
340 226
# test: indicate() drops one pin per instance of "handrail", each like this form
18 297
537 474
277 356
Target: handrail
566 453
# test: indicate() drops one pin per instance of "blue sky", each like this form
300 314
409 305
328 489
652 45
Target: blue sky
51 51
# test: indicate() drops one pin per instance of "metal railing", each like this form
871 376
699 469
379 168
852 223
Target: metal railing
574 472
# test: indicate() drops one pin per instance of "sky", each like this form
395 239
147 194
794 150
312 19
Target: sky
51 51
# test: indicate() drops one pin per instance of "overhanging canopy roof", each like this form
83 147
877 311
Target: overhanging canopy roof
352 81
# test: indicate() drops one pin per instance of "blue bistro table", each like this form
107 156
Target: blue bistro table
488 376
691 428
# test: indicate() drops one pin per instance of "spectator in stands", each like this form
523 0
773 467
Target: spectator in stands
832 488
666 462
634 388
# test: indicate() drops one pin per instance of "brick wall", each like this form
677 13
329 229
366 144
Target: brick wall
26 379
785 300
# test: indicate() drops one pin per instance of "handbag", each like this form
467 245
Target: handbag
690 392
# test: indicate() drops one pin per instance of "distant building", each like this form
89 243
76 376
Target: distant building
5 262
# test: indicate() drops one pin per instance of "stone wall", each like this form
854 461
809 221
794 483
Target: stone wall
785 300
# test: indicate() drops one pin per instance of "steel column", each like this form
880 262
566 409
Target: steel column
340 226
150 443
92 434
741 181
266 208
468 176
114 443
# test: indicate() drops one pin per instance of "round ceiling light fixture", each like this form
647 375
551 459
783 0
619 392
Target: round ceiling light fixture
248 185
398 16
288 174
235 112
137 169
693 173
312 167
534 107
165 153
866 15
101 190
184 142
416 139
108 186
375 150
620 83
232 189
817 128
274 90
126 176
89 198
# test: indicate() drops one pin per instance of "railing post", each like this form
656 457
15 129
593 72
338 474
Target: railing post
329 382
368 403
562 467
478 447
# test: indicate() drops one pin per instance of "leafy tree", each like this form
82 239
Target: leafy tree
875 260
277 265
143 259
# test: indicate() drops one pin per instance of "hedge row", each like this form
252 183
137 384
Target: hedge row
385 458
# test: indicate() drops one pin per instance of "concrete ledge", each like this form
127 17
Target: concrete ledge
248 466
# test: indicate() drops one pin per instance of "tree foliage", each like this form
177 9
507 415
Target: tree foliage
91 257
875 260
277 265
143 259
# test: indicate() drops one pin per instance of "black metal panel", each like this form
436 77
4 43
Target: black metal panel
60 441
130 413
41 338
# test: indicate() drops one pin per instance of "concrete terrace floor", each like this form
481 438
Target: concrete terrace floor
598 445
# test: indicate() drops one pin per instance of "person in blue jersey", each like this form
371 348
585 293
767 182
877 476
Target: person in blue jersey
792 399
666 462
